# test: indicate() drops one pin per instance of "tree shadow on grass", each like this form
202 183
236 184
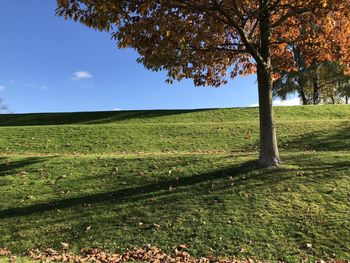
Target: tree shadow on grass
238 175
9 167
131 216
133 194
337 140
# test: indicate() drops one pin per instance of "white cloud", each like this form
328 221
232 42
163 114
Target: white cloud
44 87
116 109
2 87
81 75
30 85
290 102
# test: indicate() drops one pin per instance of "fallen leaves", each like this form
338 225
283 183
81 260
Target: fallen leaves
4 252
64 245
148 254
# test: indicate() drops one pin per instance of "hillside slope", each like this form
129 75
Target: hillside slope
222 130
118 180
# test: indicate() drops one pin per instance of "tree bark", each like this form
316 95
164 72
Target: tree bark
269 155
333 100
302 94
316 98
346 100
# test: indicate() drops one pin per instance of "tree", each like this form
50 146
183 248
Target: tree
322 83
211 40
334 84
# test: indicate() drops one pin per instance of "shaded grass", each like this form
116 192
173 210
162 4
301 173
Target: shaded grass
217 204
17 260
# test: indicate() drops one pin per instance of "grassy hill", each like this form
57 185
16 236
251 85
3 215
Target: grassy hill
118 180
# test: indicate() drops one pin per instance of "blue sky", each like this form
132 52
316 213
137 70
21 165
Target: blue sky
49 64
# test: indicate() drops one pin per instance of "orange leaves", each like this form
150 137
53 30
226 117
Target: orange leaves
321 34
207 42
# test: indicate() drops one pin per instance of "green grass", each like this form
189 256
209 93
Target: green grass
117 180
17 260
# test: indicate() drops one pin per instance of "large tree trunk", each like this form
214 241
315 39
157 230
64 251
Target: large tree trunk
269 155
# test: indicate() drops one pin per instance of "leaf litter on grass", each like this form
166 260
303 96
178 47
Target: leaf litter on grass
148 254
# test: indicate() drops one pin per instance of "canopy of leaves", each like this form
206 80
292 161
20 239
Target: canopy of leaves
212 40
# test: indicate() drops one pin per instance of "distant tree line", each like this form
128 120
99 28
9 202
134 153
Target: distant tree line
320 83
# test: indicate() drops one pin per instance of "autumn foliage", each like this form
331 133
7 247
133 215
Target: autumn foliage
206 40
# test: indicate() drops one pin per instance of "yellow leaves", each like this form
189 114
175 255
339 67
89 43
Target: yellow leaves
182 40
64 245
324 3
